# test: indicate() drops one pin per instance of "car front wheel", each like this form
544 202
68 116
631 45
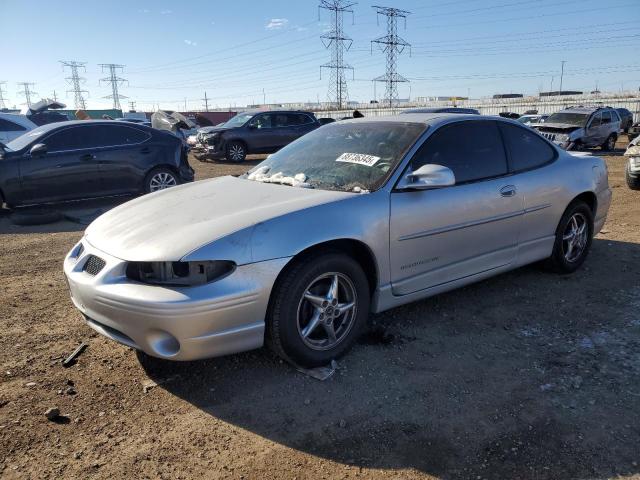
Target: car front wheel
633 181
573 238
236 152
318 309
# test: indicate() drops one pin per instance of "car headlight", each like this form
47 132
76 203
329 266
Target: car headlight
179 274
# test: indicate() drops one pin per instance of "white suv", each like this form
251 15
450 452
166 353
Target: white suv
13 125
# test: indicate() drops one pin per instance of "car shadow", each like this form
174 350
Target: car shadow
526 375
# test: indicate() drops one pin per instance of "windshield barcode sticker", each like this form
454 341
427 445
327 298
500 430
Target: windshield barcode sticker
359 158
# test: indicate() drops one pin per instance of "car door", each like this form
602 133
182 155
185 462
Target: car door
531 162
67 171
262 137
124 157
594 133
441 235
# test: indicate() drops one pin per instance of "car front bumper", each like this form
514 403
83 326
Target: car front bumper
185 323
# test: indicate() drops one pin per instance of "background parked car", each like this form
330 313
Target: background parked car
90 158
578 127
530 119
632 170
12 125
465 111
257 132
626 119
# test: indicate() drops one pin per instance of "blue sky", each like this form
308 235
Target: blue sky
174 51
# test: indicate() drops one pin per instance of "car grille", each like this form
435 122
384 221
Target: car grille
93 265
548 136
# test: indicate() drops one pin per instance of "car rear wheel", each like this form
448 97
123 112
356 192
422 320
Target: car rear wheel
610 144
318 309
160 179
236 152
573 238
633 182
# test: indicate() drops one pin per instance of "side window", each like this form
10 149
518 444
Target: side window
304 119
596 121
472 149
262 121
108 135
526 149
606 117
615 116
7 126
74 138
281 120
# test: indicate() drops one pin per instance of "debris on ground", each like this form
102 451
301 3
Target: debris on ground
71 359
319 373
52 413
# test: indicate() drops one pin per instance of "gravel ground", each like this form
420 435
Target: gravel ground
528 375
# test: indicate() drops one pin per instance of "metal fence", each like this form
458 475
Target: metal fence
492 106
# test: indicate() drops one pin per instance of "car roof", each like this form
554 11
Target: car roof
18 118
426 119
52 126
584 110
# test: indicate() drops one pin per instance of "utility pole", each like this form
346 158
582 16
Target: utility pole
206 102
392 45
27 92
55 96
115 81
132 106
562 74
2 92
75 80
264 98
338 42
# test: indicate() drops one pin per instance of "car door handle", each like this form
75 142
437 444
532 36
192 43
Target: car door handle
508 191
145 150
87 156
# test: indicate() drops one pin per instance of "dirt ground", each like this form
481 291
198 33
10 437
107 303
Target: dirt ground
528 375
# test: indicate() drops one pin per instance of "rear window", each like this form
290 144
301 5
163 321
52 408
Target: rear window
526 149
7 126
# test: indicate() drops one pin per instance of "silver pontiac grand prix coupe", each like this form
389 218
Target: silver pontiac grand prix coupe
355 217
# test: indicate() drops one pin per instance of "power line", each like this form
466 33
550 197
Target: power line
115 81
338 42
2 92
75 80
392 45
27 92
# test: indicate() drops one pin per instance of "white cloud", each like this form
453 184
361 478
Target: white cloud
166 12
191 43
143 11
276 23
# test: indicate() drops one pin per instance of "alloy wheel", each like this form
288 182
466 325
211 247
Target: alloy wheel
236 152
162 180
574 238
327 311
611 143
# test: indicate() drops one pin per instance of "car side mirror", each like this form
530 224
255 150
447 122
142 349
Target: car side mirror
427 177
38 149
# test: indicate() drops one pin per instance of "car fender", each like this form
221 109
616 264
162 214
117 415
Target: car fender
362 217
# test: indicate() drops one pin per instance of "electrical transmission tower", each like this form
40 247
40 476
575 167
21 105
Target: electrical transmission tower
27 92
115 81
338 42
392 45
2 99
75 80
132 106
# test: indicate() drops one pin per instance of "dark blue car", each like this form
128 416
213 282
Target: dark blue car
87 159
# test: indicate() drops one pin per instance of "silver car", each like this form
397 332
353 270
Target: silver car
355 217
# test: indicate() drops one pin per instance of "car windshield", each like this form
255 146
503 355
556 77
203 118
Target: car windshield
344 156
238 120
525 119
25 139
577 119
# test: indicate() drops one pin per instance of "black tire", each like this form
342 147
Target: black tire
610 143
236 151
632 182
153 180
284 332
559 261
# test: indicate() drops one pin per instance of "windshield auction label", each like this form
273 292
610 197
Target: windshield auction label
359 158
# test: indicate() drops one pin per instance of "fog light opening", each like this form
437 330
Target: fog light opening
163 344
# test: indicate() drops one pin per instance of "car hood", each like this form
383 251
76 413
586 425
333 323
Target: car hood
167 225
